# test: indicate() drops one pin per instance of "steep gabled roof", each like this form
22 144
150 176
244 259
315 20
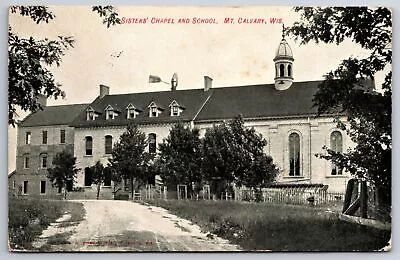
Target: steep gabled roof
192 98
260 101
53 115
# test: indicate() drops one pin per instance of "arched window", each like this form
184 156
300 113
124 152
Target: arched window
108 144
43 160
281 70
88 177
289 70
294 154
107 176
336 146
152 143
89 145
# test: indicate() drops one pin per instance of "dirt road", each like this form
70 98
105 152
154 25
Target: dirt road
128 226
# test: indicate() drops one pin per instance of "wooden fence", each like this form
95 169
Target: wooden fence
297 195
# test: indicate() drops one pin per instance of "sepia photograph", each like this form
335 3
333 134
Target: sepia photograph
253 128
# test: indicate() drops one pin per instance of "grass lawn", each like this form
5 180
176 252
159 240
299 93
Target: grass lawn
27 218
261 226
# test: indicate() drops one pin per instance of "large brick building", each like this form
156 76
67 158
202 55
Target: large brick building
282 112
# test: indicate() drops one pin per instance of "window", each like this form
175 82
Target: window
13 185
175 111
336 146
59 189
89 145
294 154
43 161
91 114
131 112
44 137
25 187
152 143
88 177
28 138
69 184
153 112
289 70
108 144
109 114
107 176
62 136
281 70
42 187
26 161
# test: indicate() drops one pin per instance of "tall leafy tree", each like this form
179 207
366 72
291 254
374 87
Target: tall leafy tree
235 153
64 170
129 157
345 91
30 60
180 156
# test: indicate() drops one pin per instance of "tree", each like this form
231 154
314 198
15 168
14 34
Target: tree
129 157
345 92
98 176
234 153
180 156
29 60
63 172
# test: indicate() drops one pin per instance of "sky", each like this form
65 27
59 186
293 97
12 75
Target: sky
123 56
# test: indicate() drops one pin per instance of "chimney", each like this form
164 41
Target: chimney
104 90
207 83
42 100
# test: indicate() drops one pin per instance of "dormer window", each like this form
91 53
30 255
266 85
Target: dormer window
91 114
132 112
176 109
154 110
111 113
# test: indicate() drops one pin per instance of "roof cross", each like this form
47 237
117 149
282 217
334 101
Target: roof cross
283 31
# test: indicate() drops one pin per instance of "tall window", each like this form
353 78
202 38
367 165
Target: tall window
89 145
336 146
44 137
88 177
28 136
175 111
43 161
69 184
153 112
42 187
108 144
107 176
294 154
26 161
289 70
152 143
281 70
25 187
62 136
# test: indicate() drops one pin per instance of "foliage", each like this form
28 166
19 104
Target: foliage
180 156
265 226
346 90
129 157
30 60
64 170
98 175
235 153
28 217
108 13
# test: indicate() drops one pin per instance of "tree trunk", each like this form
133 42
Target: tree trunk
65 192
98 190
132 193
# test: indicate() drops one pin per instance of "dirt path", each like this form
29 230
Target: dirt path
127 226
